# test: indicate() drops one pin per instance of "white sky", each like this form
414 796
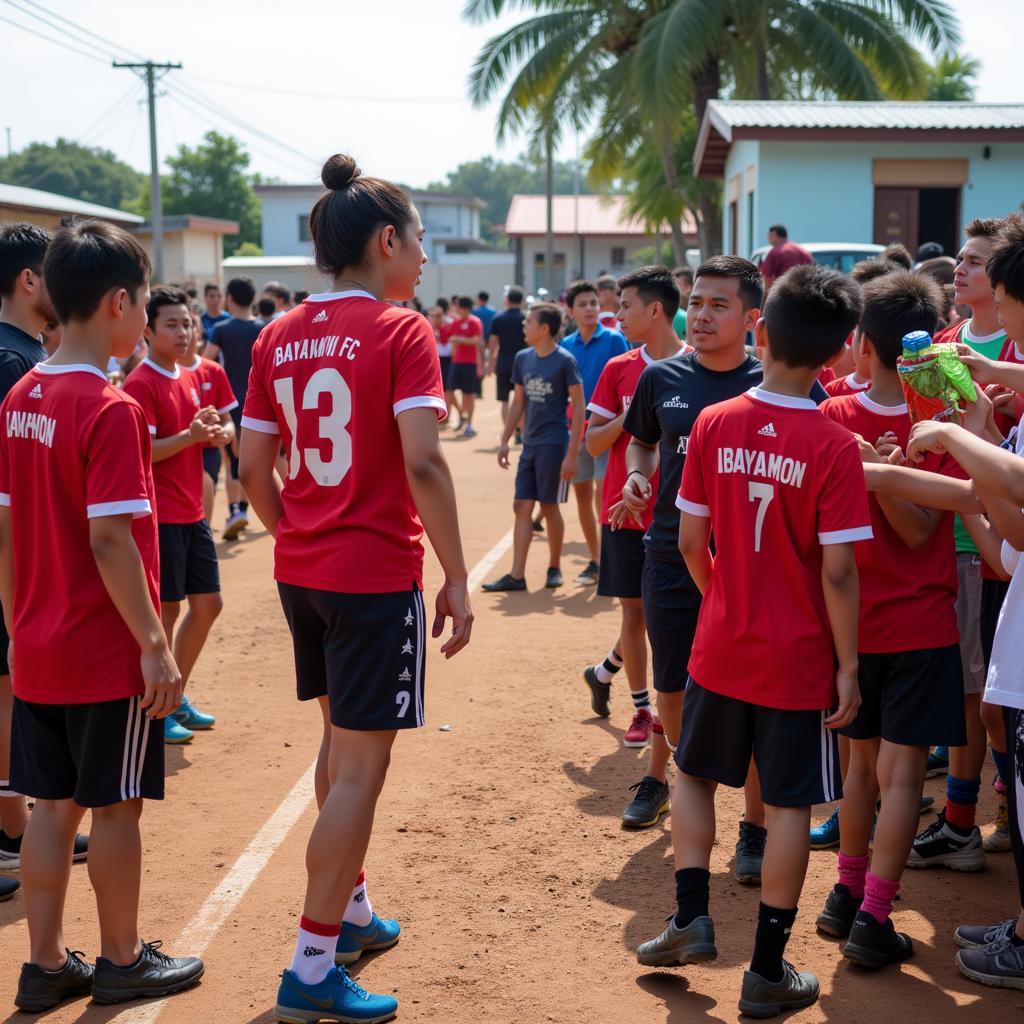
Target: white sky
395 72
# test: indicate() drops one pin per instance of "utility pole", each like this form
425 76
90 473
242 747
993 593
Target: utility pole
10 149
151 73
549 188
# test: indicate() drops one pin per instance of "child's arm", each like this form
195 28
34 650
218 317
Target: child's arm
1007 519
257 458
694 532
989 542
202 429
602 432
226 434
841 586
931 490
991 371
914 524
515 414
430 482
576 433
641 465
120 567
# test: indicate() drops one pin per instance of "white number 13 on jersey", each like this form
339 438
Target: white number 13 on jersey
764 494
329 472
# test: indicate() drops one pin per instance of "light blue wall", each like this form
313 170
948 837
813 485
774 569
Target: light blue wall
823 191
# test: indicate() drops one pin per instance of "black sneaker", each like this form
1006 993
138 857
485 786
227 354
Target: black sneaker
652 800
10 851
554 578
600 693
152 974
589 575
874 945
507 582
762 998
8 887
40 990
942 845
538 526
749 853
840 910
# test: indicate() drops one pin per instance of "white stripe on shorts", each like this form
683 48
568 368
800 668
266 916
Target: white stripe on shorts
136 733
563 491
421 639
827 763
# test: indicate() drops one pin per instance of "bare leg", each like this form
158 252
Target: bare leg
13 809
321 776
209 494
468 405
169 611
991 718
522 536
203 610
693 821
556 532
860 794
633 642
967 762
588 520
115 870
900 778
670 711
753 805
785 856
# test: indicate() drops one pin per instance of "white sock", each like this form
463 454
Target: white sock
359 911
314 952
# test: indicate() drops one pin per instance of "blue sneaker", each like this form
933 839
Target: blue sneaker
191 717
938 762
175 733
826 835
353 941
336 998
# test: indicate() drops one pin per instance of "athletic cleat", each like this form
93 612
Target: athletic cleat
188 715
652 800
1000 964
938 762
153 974
175 732
640 729
826 835
874 945
940 846
8 887
554 578
234 525
336 998
839 912
588 577
694 944
762 998
40 990
506 582
600 693
999 841
974 936
10 851
353 942
749 853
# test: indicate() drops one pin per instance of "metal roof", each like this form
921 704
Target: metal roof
50 202
577 215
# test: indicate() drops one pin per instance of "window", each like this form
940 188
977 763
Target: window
304 235
618 256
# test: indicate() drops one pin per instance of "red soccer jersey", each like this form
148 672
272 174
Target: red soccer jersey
463 327
907 597
826 377
848 385
778 481
611 398
72 448
214 387
330 377
170 402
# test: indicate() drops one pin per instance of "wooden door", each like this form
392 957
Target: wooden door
896 216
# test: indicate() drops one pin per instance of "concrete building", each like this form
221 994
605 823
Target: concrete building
861 172
593 235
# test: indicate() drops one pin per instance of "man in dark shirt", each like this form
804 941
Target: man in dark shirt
232 342
784 254
214 313
506 339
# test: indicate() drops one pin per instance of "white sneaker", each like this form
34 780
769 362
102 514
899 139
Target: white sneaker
236 523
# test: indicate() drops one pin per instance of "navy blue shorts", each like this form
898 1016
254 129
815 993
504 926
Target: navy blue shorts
5 642
463 377
446 371
797 758
539 474
504 386
671 607
365 652
188 560
915 698
622 563
211 462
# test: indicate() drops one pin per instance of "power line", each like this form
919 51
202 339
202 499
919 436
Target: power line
108 116
56 42
254 87
82 29
52 25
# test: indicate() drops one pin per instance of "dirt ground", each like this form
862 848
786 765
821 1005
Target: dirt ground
497 842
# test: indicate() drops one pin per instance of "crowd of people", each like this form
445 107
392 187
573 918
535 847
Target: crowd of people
852 628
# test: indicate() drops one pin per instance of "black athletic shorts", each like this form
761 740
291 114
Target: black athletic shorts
671 607
622 563
993 594
797 758
188 560
365 652
446 371
463 377
95 754
5 641
915 698
236 418
539 474
504 383
211 463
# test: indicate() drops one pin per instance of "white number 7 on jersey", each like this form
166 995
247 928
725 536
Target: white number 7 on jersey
765 494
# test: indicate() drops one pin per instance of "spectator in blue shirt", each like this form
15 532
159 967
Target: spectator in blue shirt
484 313
214 313
592 346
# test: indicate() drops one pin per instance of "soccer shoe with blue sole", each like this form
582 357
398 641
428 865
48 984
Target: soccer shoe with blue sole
676 947
826 835
189 716
40 990
336 998
175 732
353 942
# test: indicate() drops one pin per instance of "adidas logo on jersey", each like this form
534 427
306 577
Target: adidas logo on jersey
36 392
320 318
675 403
768 430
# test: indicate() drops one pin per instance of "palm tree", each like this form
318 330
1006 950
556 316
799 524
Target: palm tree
951 78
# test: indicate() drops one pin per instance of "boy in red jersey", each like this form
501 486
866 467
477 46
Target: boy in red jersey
910 673
180 425
92 666
466 336
649 299
351 384
783 490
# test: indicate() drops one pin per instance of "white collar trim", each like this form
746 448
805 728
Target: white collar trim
980 339
852 382
69 368
785 401
159 369
195 366
355 293
645 355
881 410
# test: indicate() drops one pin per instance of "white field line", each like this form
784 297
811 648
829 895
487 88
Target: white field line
197 935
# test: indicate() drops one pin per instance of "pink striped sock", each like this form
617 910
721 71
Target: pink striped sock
852 871
878 896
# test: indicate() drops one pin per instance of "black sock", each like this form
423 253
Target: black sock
233 507
773 928
693 892
244 506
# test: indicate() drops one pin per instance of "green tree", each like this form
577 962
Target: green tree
952 78
82 172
